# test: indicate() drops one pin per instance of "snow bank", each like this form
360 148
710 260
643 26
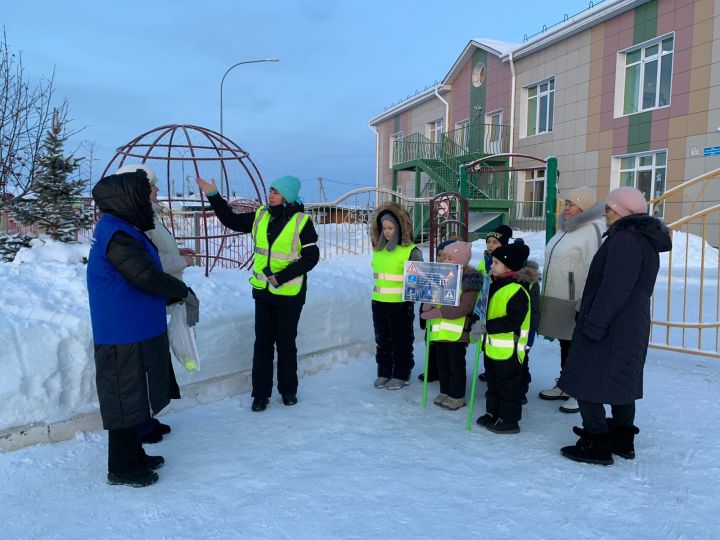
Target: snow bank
48 372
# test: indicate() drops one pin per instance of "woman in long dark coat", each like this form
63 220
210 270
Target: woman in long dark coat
128 291
610 341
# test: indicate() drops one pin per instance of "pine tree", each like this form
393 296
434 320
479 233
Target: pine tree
54 202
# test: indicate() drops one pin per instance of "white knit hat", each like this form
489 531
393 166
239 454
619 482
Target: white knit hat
582 197
132 167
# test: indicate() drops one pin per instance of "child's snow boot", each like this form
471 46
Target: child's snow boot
501 427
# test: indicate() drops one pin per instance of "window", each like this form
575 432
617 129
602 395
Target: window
461 137
540 105
493 132
534 199
397 149
436 131
647 74
645 172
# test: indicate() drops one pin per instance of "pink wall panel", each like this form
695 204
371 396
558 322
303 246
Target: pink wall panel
498 79
672 15
460 95
617 36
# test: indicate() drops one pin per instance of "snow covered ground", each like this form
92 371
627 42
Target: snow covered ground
349 461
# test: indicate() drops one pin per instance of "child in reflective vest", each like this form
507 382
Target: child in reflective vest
508 329
432 361
391 233
449 328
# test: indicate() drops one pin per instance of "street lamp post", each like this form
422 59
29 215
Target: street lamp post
222 82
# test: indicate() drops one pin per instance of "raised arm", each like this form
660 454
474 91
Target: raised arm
237 222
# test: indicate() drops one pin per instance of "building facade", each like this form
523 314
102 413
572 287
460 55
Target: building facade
624 93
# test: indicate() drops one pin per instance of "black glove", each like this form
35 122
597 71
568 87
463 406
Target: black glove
192 308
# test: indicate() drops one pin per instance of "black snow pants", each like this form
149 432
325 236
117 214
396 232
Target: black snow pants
394 337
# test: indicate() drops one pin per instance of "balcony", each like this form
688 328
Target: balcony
467 143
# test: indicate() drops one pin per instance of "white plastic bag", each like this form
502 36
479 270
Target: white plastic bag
182 338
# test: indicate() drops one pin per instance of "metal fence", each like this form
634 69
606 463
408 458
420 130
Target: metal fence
685 307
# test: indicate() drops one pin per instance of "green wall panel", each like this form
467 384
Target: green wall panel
640 124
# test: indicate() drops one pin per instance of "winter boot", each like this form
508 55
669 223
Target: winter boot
161 428
570 406
482 377
151 463
553 393
380 382
289 399
137 479
396 384
259 404
453 404
421 378
590 448
440 399
485 420
151 438
622 439
501 427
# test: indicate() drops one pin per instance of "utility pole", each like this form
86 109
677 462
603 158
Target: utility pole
321 190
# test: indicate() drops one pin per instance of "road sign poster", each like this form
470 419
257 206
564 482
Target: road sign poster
432 282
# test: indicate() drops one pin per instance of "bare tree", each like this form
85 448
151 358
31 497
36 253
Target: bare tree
26 114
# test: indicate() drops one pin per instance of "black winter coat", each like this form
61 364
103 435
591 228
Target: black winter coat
135 380
279 216
610 341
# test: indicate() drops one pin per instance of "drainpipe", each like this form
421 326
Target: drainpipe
377 156
447 107
512 110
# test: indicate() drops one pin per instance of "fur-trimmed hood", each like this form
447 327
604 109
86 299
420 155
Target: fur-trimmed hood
651 227
400 215
529 274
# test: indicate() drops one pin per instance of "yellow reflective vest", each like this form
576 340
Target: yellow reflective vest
284 250
447 329
388 269
502 346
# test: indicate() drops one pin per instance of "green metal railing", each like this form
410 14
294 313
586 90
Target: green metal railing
475 140
442 160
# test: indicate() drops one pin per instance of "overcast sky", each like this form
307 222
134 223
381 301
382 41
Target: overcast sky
128 67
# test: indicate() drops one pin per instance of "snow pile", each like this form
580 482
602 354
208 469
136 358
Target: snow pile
47 361
52 250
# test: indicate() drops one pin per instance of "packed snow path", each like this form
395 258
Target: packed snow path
350 461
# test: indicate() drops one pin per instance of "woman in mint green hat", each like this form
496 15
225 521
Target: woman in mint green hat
285 251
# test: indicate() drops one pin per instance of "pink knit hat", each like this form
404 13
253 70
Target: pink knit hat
627 201
460 252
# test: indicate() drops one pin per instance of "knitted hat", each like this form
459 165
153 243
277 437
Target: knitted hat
442 245
132 167
626 201
395 238
513 255
460 252
288 187
503 234
582 197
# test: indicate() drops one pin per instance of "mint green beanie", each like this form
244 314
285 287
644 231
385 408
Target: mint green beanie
288 187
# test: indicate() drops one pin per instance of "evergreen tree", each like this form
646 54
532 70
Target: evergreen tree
54 202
